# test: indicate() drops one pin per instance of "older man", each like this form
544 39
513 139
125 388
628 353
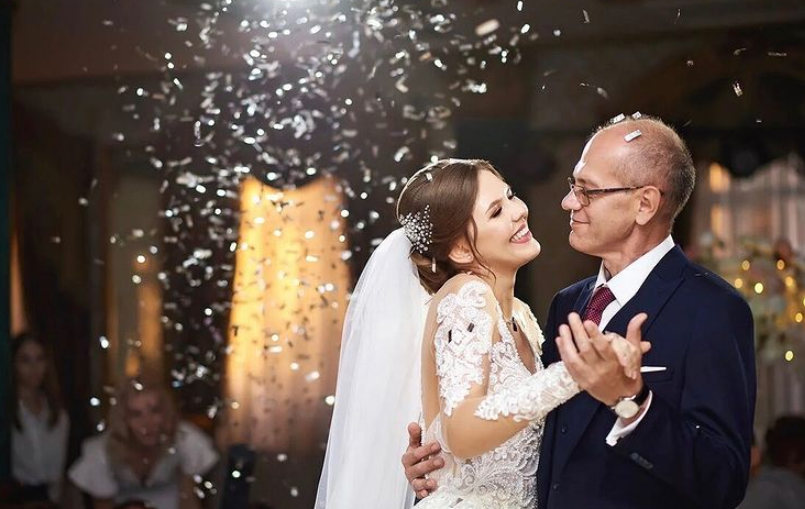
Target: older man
679 435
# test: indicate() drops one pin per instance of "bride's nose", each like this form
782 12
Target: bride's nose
520 212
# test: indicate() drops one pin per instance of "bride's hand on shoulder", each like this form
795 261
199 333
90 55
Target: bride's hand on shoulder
420 460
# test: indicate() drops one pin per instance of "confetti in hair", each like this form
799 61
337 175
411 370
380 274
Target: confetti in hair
632 135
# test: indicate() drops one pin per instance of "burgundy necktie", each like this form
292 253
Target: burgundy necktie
599 301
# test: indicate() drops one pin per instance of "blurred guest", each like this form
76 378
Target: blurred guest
39 423
146 455
781 484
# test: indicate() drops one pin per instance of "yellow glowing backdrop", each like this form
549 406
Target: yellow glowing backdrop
287 310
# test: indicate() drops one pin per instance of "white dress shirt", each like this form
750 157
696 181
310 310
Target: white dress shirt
38 451
625 285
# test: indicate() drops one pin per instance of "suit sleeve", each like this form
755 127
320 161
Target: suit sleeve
701 448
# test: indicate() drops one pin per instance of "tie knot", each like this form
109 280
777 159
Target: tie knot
602 297
599 301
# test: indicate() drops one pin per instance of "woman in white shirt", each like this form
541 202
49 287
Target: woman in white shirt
39 423
146 453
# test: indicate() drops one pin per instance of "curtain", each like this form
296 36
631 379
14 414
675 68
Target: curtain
289 299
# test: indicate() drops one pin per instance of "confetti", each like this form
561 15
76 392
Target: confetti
487 27
632 135
322 90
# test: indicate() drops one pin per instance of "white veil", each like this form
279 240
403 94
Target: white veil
379 388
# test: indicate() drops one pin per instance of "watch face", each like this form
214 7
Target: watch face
627 409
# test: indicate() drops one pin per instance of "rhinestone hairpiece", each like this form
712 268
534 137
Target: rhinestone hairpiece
418 229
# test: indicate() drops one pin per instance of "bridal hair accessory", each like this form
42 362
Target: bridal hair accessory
418 229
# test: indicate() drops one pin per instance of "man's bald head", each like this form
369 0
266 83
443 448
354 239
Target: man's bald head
658 157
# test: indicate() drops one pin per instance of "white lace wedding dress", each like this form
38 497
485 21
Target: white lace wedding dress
468 354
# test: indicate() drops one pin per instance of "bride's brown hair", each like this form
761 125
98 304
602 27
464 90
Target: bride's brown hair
447 189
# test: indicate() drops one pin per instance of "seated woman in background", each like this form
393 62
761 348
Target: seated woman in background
39 423
146 454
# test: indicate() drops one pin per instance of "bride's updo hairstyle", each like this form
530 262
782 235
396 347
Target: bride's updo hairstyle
435 209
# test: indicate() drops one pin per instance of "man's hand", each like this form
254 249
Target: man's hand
420 460
594 363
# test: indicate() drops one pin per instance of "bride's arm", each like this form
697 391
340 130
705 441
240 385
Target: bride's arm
474 422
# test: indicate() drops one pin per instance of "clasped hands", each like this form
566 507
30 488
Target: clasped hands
605 365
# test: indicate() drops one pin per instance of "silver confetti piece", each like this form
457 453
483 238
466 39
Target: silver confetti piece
632 135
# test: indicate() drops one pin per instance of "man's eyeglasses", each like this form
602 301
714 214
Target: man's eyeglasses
584 195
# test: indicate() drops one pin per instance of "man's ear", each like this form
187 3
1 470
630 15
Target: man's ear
649 205
461 254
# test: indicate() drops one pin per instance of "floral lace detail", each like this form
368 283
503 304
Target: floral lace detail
463 339
525 317
504 477
533 399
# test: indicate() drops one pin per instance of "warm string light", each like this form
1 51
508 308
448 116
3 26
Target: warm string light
774 287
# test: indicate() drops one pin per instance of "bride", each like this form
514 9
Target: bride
434 333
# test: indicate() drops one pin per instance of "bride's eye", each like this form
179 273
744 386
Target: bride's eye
497 211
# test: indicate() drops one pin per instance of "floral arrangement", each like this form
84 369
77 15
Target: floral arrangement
771 277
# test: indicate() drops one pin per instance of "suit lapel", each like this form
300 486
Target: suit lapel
661 283
582 299
650 299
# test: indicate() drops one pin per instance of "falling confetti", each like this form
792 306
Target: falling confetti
632 135
618 118
487 27
359 92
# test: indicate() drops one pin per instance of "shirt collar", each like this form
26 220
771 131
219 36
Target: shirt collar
627 282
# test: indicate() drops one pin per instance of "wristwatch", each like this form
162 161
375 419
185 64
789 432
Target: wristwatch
628 407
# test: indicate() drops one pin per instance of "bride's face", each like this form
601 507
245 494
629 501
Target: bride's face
504 240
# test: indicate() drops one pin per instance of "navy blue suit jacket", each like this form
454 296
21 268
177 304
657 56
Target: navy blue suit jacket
691 449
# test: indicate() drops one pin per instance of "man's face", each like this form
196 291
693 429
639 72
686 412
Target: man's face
601 227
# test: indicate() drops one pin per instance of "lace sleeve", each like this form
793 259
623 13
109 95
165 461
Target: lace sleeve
542 392
462 342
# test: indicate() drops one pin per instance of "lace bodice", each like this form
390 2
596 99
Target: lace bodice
468 355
